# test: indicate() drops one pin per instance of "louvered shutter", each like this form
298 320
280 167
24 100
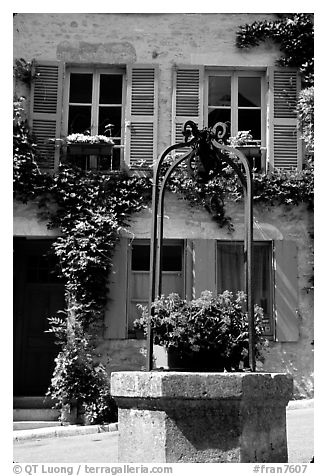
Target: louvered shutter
46 107
286 291
116 312
141 114
187 99
284 147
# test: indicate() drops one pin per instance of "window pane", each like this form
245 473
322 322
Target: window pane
219 91
79 119
249 92
110 115
250 120
171 257
230 274
80 88
111 88
141 258
219 115
230 263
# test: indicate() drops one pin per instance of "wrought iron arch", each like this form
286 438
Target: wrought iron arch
208 153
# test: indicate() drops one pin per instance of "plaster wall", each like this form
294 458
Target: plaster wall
121 39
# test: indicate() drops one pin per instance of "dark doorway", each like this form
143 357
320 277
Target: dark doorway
38 294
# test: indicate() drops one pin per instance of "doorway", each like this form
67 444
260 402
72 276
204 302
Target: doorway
38 294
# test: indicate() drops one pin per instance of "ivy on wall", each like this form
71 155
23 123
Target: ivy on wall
89 209
294 35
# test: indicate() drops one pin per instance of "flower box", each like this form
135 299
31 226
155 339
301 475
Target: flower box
90 149
250 151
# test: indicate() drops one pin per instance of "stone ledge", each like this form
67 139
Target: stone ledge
201 385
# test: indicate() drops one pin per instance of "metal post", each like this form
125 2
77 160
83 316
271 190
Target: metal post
153 287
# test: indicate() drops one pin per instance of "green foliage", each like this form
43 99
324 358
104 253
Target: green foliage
78 380
28 181
89 209
23 71
216 324
279 187
294 35
305 109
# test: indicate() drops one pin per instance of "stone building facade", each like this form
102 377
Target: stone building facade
163 69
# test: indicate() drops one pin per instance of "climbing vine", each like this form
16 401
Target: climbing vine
89 209
294 35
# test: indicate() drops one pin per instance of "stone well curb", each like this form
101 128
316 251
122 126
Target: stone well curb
75 430
61 431
296 404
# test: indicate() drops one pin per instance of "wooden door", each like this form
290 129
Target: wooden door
38 294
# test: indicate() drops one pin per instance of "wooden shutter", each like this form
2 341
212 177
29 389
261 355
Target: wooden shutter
187 99
116 313
46 108
286 291
141 114
204 266
284 145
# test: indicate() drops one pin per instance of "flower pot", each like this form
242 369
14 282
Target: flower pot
201 361
90 149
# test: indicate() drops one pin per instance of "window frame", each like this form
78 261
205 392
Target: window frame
131 272
234 74
96 71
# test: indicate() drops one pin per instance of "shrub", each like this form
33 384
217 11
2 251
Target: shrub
212 324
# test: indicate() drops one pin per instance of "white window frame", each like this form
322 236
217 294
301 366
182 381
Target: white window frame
96 71
235 74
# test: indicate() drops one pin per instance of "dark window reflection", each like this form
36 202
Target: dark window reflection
110 115
249 92
219 91
249 119
80 88
171 257
111 88
79 119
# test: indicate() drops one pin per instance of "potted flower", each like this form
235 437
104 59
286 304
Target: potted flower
205 334
244 142
86 144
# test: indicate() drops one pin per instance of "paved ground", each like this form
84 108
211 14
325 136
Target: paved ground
94 448
103 447
300 435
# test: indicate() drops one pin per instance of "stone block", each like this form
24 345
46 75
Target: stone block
186 417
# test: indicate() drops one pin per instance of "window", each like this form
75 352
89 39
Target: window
96 101
230 274
236 99
172 274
